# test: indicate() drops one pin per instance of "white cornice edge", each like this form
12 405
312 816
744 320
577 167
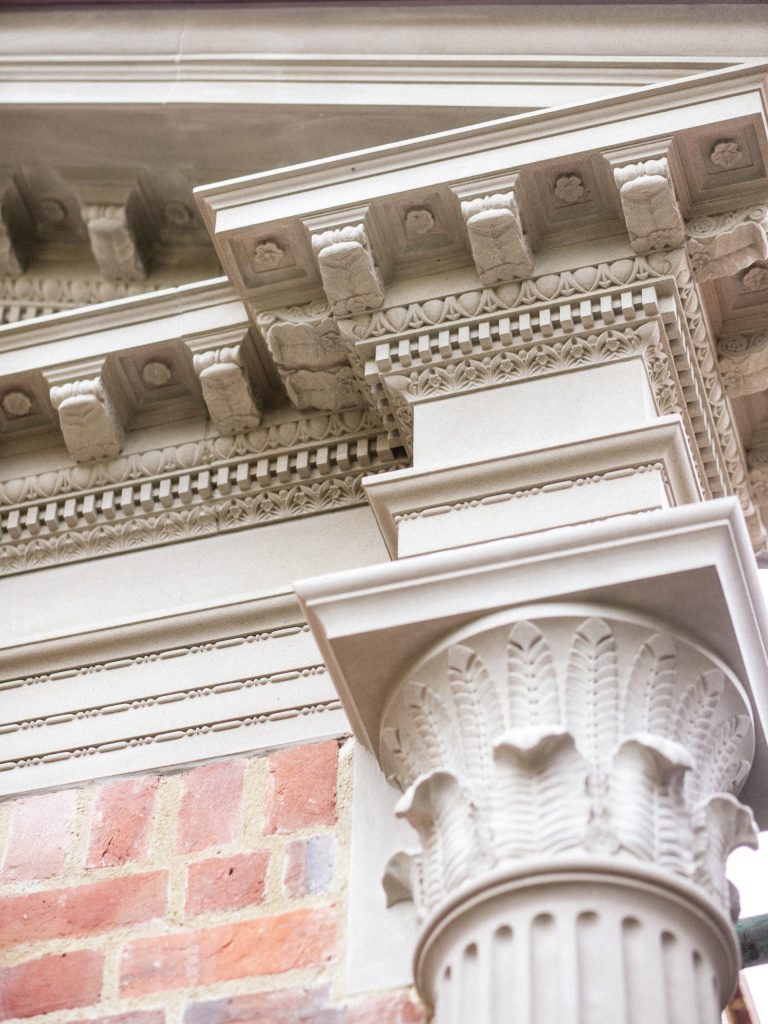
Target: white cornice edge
215 200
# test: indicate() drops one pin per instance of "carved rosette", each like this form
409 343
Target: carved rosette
561 745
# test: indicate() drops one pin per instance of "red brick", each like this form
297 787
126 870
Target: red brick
266 945
152 965
389 1008
289 1006
58 982
302 787
309 865
122 821
137 1017
40 837
211 810
226 883
83 909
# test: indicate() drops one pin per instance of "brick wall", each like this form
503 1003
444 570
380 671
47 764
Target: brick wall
214 895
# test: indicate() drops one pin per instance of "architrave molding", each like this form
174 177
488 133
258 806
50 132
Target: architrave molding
143 695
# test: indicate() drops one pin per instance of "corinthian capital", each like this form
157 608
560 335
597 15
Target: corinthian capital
569 736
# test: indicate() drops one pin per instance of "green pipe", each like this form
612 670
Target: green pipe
753 938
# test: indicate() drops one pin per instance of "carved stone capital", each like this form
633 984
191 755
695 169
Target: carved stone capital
651 210
350 279
500 248
113 244
536 752
722 245
550 736
227 390
88 418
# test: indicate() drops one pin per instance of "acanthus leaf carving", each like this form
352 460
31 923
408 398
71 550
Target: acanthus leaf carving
533 691
442 812
647 805
476 703
720 825
650 691
541 802
399 879
743 362
592 690
695 718
647 731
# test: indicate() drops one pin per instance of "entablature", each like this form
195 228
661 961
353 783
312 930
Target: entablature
126 387
517 248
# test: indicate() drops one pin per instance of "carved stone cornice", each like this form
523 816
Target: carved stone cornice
272 440
500 248
226 388
346 261
114 246
32 296
534 307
